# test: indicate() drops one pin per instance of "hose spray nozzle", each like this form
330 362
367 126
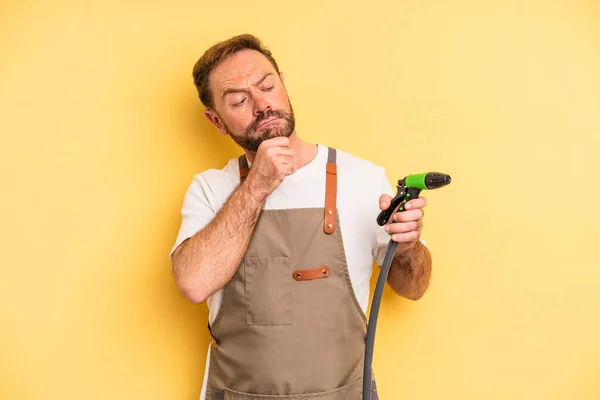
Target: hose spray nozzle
410 188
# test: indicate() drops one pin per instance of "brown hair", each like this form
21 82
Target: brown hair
219 52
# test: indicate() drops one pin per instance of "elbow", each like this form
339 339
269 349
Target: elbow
190 286
192 292
409 293
416 295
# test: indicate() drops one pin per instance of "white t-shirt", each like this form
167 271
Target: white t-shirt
360 183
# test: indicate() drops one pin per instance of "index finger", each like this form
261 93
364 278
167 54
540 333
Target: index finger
419 202
276 141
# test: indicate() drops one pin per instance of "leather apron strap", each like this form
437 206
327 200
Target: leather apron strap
330 193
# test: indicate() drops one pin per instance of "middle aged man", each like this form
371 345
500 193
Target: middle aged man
261 240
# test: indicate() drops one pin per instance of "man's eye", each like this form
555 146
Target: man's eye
240 102
268 89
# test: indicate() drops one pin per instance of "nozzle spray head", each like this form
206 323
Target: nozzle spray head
427 181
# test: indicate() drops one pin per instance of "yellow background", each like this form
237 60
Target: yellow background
102 132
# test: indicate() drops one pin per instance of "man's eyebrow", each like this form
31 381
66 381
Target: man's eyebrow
263 78
234 90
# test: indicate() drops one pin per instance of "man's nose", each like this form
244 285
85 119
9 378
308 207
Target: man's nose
261 105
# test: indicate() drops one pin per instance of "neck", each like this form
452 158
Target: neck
305 152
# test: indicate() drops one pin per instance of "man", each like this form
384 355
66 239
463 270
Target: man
261 240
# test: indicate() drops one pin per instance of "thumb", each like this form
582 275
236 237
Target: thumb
384 201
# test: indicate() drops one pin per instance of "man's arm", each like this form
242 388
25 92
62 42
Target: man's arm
208 260
410 271
205 262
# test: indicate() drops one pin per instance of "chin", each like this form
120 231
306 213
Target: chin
273 133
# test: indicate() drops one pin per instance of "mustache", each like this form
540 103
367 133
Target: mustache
264 116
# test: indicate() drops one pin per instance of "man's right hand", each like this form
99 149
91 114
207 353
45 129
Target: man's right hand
274 160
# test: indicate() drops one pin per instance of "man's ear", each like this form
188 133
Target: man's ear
214 118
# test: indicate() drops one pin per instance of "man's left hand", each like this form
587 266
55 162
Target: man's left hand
405 226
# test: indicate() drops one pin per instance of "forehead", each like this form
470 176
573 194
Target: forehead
240 68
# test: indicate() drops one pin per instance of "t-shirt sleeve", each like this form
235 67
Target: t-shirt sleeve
381 238
197 211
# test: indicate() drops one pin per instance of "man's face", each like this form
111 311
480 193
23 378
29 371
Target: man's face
251 103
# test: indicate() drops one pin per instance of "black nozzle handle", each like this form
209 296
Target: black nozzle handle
398 202
385 215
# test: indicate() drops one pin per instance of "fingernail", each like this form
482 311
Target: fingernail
408 206
384 204
387 228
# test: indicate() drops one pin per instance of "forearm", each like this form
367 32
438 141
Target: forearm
410 272
209 259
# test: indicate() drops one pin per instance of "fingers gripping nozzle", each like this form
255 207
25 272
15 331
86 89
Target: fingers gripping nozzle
410 188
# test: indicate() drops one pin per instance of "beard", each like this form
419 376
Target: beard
250 141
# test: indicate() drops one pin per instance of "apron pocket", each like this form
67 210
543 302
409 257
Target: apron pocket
268 290
233 395
352 391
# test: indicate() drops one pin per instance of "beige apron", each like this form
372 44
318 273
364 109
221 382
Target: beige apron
289 325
